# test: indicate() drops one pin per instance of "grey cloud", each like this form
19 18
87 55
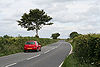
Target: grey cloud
62 11
86 17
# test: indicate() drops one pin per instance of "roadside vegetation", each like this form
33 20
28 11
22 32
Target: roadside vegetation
55 35
11 45
86 51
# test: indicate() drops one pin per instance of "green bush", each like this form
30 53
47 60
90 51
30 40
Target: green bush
16 44
87 48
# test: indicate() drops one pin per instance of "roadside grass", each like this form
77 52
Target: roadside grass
71 61
14 45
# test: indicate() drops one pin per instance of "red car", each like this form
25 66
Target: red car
32 45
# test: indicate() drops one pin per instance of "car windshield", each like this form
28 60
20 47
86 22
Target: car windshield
30 43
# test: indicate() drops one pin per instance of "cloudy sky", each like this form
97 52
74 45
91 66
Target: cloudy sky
82 16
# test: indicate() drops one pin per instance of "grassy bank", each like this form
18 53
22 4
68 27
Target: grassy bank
86 51
72 61
12 45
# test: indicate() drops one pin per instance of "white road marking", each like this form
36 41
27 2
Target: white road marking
51 49
10 65
40 54
71 49
55 47
61 64
33 57
47 51
68 54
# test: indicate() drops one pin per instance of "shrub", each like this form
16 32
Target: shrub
87 48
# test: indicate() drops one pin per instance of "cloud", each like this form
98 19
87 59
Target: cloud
68 15
77 11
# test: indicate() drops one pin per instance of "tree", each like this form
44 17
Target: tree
55 35
6 36
73 34
34 20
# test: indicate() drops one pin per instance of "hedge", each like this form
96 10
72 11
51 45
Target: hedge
11 45
87 49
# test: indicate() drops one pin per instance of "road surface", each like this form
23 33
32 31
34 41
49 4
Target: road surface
49 56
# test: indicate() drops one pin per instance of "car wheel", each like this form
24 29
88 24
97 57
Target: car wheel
24 50
40 49
37 50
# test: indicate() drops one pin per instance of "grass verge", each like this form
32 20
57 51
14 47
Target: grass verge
71 61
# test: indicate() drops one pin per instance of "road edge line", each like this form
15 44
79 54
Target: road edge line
61 64
68 54
71 49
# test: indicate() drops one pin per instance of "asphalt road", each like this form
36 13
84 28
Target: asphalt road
49 56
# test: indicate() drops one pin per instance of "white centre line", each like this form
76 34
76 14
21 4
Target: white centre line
50 49
46 52
33 57
10 65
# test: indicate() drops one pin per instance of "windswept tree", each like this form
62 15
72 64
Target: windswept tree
34 20
55 35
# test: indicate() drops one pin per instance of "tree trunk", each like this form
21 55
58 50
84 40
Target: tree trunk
36 32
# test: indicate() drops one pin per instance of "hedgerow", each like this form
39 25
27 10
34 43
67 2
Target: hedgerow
11 45
87 49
